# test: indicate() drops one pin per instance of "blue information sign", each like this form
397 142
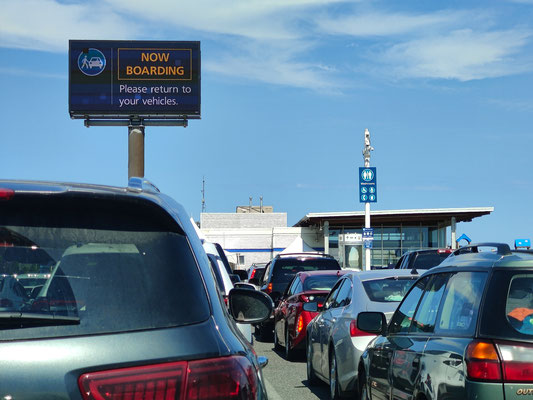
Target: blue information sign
368 233
368 190
121 79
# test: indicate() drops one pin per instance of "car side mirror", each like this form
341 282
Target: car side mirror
249 306
372 322
312 306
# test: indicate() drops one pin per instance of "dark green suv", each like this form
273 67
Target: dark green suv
464 331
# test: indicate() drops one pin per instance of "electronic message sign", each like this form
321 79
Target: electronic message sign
125 79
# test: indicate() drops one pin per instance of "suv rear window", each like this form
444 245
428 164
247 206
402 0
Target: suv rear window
285 269
428 260
104 266
519 305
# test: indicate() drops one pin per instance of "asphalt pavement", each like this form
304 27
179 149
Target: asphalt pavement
287 380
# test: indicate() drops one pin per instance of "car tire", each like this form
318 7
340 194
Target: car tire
277 346
362 386
312 379
334 391
289 353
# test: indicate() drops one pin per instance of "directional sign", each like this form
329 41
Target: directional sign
367 244
368 191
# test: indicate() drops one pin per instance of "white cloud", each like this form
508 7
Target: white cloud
47 25
462 55
385 24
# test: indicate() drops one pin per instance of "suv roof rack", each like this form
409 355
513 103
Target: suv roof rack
501 248
313 254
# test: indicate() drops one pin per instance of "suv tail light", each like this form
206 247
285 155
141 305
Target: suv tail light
355 332
483 362
269 288
502 361
216 378
253 274
517 361
6 194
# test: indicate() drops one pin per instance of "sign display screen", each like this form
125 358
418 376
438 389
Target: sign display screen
124 79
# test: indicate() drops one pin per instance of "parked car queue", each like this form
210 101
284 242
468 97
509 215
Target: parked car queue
462 329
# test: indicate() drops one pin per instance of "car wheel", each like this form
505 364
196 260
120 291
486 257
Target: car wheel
277 346
312 379
289 353
333 378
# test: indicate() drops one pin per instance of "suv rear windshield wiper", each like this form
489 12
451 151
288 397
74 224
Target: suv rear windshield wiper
13 320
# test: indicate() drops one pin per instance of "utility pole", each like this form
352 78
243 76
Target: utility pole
366 155
203 194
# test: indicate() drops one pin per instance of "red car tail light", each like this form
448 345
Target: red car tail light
6 194
355 332
483 362
269 288
517 362
253 274
218 378
299 324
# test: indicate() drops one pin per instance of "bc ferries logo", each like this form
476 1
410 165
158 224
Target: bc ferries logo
92 62
367 175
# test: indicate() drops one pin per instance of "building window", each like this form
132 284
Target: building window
240 259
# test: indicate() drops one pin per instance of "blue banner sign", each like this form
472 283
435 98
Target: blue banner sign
368 233
124 79
368 190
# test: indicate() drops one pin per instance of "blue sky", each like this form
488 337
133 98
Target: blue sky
288 88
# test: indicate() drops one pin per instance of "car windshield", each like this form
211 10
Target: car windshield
285 269
388 289
320 282
112 276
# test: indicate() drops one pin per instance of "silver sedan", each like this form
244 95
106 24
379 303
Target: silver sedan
334 344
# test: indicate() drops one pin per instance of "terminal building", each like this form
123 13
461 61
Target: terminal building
257 234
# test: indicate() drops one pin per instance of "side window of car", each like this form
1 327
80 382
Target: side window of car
267 274
402 318
292 286
460 305
426 313
299 287
345 294
332 295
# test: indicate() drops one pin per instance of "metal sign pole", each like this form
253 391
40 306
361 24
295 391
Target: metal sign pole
135 151
366 155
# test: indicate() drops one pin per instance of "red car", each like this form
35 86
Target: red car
290 320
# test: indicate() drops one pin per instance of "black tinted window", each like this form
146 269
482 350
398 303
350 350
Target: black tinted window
285 269
112 271
428 260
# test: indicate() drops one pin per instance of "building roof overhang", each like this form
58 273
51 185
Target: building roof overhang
435 216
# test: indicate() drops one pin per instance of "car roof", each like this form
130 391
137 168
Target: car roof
382 274
325 272
500 255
